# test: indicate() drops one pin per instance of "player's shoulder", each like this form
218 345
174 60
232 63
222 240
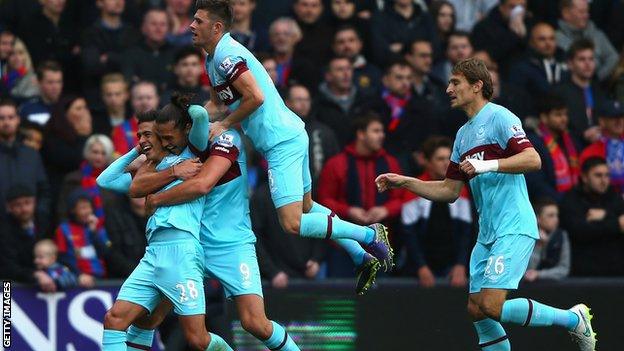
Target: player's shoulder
502 114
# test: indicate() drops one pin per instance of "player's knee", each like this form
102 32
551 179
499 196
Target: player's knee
474 311
113 320
491 308
256 325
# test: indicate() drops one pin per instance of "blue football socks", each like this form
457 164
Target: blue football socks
492 336
531 313
218 344
280 340
139 339
114 340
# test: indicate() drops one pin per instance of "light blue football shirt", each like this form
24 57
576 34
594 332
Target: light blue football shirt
185 216
270 124
501 199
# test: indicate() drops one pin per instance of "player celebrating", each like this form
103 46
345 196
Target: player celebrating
172 266
490 153
240 81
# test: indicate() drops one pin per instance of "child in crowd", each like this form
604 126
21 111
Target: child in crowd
551 256
45 253
82 241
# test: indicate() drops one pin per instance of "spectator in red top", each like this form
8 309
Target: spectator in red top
82 241
611 145
347 184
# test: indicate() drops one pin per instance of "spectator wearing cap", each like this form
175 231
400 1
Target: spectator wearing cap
21 164
593 215
558 150
18 234
580 93
610 146
82 240
575 24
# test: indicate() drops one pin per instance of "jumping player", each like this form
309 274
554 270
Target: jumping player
173 263
240 81
491 152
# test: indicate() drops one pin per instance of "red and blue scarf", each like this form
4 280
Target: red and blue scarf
567 170
397 106
87 183
124 136
614 148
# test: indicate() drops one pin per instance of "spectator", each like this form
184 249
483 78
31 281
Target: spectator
339 101
254 37
32 135
64 141
347 185
103 43
115 97
510 96
20 164
366 76
51 34
187 68
617 81
558 150
270 65
428 89
396 27
443 14
46 254
82 240
315 42
150 59
437 235
125 226
579 92
97 155
459 47
180 18
344 13
575 24
611 144
468 13
503 32
551 256
19 233
144 97
543 65
20 80
593 215
7 40
39 109
284 34
281 256
405 120
323 143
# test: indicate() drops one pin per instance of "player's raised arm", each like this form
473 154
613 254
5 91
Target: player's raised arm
116 176
446 190
251 98
198 135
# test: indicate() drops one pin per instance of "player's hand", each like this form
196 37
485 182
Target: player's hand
596 214
216 129
426 277
312 268
280 281
389 181
377 214
472 166
457 276
187 169
45 282
92 222
358 215
86 281
530 275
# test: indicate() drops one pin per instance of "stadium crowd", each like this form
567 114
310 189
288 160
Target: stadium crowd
367 77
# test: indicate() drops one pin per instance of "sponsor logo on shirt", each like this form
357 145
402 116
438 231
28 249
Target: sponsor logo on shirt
476 156
517 130
226 140
226 65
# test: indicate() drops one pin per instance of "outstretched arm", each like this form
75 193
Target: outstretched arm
446 190
211 172
198 136
116 177
147 180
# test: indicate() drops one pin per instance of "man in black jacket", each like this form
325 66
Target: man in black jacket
317 35
20 164
18 235
323 143
339 101
102 45
593 215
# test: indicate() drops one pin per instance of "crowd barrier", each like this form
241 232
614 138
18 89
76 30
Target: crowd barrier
325 315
